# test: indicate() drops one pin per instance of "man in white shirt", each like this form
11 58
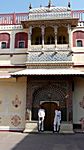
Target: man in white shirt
41 117
57 120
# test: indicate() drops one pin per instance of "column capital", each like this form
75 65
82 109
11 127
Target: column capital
69 34
69 28
30 30
55 29
42 29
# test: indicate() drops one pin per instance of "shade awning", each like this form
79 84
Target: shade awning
4 74
49 72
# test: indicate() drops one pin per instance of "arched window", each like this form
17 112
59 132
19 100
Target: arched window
78 38
36 37
62 40
49 37
5 40
50 40
21 40
62 35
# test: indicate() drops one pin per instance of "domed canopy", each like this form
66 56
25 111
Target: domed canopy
48 9
49 12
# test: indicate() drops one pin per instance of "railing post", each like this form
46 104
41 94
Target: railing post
14 18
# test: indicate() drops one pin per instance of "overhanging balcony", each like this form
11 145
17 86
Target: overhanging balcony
49 54
59 47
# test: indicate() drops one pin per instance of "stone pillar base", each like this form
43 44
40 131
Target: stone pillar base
66 127
31 126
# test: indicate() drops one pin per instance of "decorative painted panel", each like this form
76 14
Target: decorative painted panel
16 103
12 104
16 120
49 56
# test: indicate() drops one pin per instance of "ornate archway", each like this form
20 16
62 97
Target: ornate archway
54 92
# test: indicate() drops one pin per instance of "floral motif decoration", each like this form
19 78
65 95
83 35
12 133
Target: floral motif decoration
16 103
15 120
82 103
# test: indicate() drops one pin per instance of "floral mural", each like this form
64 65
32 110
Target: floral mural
15 120
16 103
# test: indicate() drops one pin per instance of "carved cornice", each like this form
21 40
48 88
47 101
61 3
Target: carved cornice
56 22
50 65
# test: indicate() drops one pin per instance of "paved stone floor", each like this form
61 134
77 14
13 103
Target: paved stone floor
41 141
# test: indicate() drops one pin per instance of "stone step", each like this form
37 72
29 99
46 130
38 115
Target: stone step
31 126
66 128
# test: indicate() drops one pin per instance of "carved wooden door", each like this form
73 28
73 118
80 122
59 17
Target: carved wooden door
49 114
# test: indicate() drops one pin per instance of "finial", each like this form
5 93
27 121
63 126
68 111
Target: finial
49 4
69 5
30 7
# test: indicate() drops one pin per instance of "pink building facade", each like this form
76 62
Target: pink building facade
42 63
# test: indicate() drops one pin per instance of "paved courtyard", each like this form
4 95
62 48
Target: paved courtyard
42 141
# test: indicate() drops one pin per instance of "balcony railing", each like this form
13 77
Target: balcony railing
16 18
49 15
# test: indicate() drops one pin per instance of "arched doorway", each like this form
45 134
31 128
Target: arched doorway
49 114
48 95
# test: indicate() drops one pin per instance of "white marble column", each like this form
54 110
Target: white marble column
69 35
42 32
12 41
55 31
29 37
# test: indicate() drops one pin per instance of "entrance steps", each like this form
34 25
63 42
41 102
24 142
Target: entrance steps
66 127
32 127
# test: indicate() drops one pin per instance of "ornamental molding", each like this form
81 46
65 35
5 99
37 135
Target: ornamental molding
50 64
11 27
49 22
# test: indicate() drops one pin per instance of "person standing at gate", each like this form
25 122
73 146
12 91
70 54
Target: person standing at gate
41 117
57 120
